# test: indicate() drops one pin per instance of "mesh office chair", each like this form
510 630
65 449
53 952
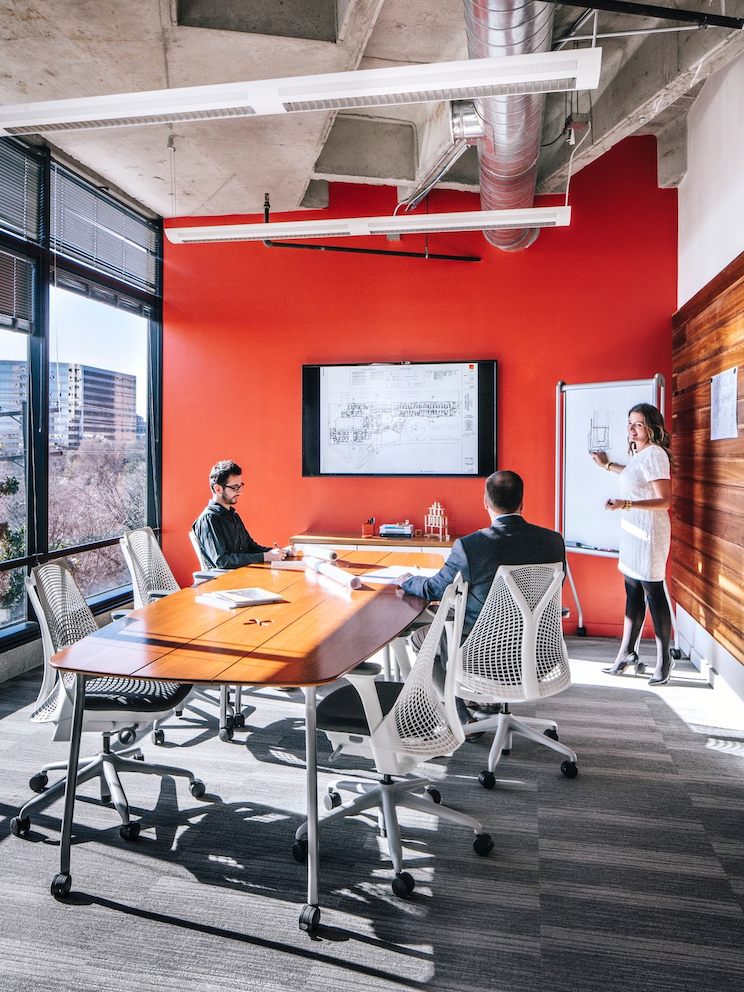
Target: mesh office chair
121 706
152 579
516 653
399 725
231 713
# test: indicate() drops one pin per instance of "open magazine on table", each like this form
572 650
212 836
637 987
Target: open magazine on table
231 599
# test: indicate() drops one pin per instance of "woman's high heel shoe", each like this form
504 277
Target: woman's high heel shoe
631 658
662 675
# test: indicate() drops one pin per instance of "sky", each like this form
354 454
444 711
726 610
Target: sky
92 333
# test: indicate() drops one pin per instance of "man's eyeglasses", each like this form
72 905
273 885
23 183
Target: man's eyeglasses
235 489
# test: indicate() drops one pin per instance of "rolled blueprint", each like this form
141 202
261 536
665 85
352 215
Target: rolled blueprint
326 554
333 572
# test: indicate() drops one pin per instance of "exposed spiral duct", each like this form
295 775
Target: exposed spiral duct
509 151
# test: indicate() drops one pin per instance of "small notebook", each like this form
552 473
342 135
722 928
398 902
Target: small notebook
231 599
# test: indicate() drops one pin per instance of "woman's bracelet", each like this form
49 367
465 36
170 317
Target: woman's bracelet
627 505
609 465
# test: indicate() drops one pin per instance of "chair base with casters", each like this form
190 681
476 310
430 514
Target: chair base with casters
231 717
503 725
344 716
107 764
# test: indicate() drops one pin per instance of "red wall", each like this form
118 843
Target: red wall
585 303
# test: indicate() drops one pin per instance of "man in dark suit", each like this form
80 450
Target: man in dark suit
510 540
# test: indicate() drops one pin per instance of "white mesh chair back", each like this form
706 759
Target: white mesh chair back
64 618
148 568
516 650
203 564
422 723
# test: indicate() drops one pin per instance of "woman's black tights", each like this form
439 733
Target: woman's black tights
637 594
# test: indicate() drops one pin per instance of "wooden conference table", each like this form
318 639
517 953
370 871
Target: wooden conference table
320 631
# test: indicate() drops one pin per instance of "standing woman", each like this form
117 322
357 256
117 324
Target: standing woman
645 534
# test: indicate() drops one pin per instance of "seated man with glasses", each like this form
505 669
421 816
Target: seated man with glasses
222 537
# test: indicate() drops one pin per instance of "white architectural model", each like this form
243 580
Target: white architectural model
435 522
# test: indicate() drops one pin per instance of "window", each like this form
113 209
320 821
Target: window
97 429
79 377
13 433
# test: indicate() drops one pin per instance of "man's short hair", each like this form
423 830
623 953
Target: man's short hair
220 472
505 491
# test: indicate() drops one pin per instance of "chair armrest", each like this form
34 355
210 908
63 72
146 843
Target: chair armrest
367 669
159 594
363 680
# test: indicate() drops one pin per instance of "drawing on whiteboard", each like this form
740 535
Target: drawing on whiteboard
399 418
598 438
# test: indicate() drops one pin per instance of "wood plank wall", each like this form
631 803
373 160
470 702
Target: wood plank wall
708 476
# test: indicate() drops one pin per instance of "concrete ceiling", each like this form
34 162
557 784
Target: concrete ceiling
70 48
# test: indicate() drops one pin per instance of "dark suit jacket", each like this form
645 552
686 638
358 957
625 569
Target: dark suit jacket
510 540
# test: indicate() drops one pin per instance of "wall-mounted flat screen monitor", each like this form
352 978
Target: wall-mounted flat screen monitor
402 418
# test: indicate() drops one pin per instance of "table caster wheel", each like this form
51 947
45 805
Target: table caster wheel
552 733
197 788
158 736
129 831
332 799
20 826
226 734
37 783
299 850
61 885
675 653
569 769
434 794
487 779
239 720
483 844
309 918
403 885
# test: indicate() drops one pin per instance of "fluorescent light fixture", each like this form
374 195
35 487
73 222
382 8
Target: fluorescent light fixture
543 72
473 220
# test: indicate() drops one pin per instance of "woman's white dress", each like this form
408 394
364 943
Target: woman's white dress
644 534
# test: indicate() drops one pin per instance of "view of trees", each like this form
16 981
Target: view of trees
96 491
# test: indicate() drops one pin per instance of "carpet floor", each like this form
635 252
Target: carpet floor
630 876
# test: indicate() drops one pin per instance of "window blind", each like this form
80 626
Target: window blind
91 228
16 292
20 184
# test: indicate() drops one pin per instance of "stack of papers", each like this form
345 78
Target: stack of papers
391 574
231 599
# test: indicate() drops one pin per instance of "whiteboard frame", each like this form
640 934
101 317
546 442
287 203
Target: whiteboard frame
659 395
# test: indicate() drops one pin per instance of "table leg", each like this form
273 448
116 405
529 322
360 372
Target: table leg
62 882
310 914
386 666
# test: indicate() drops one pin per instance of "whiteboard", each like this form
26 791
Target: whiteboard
595 417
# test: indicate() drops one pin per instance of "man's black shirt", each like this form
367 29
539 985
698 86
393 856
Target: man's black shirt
224 541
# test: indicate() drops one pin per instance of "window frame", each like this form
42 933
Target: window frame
50 266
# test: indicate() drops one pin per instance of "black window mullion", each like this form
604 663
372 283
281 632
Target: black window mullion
37 445
154 420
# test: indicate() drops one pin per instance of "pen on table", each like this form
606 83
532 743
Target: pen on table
284 555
